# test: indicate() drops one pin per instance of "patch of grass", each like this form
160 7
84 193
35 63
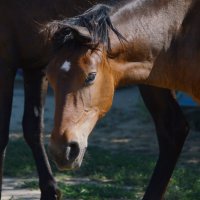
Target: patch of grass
33 184
95 192
113 175
19 160
121 168
185 184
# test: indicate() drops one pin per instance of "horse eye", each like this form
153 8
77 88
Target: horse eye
90 78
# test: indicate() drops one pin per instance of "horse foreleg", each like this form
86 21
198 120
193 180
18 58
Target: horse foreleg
35 85
7 76
172 130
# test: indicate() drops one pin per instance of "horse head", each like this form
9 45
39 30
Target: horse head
82 81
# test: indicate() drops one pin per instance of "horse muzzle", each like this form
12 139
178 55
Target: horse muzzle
68 156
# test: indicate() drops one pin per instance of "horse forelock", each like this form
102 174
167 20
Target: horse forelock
95 20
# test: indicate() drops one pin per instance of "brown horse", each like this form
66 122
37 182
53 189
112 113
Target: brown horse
148 42
22 45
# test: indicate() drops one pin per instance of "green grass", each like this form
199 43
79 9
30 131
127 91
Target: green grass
19 161
113 175
96 192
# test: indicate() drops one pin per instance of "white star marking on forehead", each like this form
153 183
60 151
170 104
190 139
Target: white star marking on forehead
66 66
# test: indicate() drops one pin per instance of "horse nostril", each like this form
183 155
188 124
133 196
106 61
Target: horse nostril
72 151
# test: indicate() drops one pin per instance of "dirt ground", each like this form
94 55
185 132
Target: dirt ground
127 126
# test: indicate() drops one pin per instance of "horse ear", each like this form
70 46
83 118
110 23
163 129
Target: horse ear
59 34
50 29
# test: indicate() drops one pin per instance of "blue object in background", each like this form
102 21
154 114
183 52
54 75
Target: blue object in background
19 75
185 100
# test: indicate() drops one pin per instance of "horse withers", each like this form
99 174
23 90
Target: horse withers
148 46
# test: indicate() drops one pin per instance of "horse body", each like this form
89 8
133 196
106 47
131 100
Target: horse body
163 46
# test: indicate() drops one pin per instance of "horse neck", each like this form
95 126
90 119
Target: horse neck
149 27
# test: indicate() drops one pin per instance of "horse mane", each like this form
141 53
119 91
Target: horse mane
96 20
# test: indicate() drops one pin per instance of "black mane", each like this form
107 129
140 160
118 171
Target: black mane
97 21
